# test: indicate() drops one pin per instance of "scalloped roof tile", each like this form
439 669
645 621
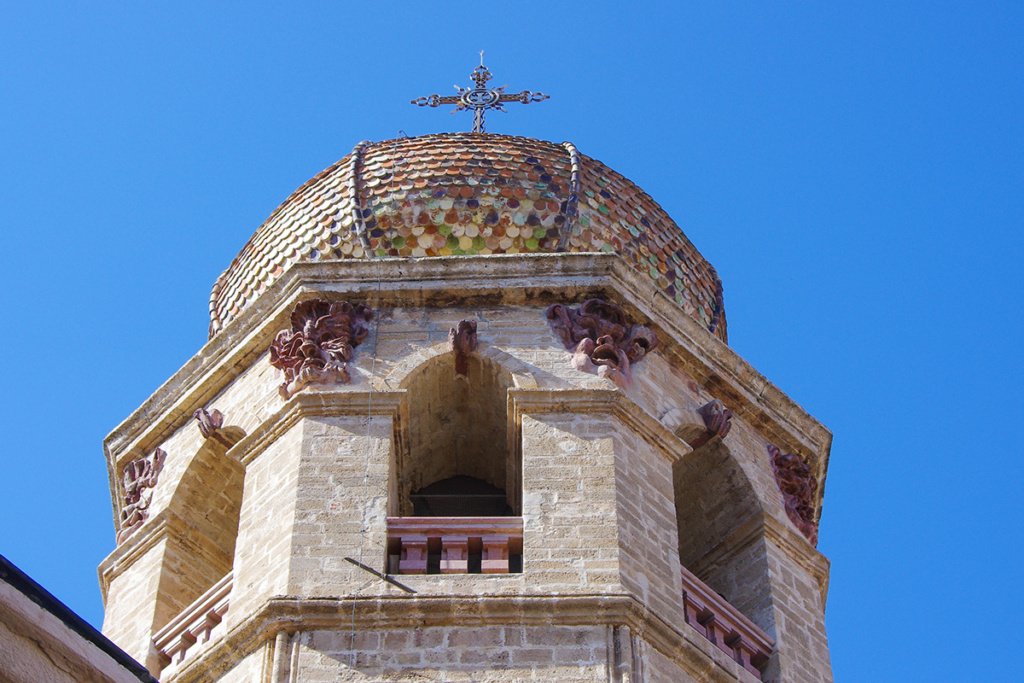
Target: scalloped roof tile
470 194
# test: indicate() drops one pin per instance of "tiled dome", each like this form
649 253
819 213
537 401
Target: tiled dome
470 193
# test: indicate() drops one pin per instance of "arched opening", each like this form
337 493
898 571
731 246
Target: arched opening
714 499
208 500
456 490
457 460
460 496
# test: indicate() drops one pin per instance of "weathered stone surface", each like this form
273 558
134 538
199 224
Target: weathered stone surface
613 496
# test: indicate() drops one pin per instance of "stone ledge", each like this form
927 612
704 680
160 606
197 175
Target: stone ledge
697 656
315 403
164 524
583 401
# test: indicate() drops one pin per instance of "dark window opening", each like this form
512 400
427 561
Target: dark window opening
460 496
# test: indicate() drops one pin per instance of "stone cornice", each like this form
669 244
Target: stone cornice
536 279
582 401
382 282
693 653
730 378
161 525
315 403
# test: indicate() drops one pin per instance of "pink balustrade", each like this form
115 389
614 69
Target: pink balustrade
197 625
454 544
723 625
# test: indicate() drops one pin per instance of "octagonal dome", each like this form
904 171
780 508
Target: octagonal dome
470 194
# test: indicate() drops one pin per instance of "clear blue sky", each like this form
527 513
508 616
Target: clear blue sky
855 171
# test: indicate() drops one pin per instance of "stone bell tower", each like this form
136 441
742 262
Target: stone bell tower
467 413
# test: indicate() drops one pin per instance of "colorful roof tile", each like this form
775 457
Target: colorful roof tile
470 194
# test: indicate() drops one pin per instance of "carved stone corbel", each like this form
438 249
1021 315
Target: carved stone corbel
209 422
798 485
717 422
601 338
697 427
320 343
211 426
138 479
462 340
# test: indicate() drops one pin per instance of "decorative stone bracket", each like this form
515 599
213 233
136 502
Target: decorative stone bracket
697 427
211 426
602 338
798 485
138 480
320 343
462 340
717 422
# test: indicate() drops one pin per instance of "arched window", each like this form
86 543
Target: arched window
456 490
714 499
456 460
208 499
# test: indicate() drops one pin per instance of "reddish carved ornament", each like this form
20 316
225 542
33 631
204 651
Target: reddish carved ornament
138 480
462 340
717 422
798 485
209 422
211 426
602 338
320 343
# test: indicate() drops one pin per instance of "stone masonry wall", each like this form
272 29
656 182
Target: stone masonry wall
132 603
264 546
568 502
648 542
566 654
801 643
342 501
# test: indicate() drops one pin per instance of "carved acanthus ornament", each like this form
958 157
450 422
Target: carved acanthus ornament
138 479
320 343
602 338
798 486
462 340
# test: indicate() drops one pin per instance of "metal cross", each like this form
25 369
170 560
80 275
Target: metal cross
480 98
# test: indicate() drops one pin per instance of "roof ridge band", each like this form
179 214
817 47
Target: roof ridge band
358 226
573 201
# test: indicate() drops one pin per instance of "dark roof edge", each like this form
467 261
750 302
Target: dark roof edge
42 597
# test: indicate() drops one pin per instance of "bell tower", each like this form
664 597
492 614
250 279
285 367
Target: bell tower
467 413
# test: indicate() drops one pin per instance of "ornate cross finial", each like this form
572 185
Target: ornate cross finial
480 98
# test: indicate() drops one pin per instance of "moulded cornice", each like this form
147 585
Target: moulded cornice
165 524
611 401
697 656
314 403
161 525
379 283
779 534
730 378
